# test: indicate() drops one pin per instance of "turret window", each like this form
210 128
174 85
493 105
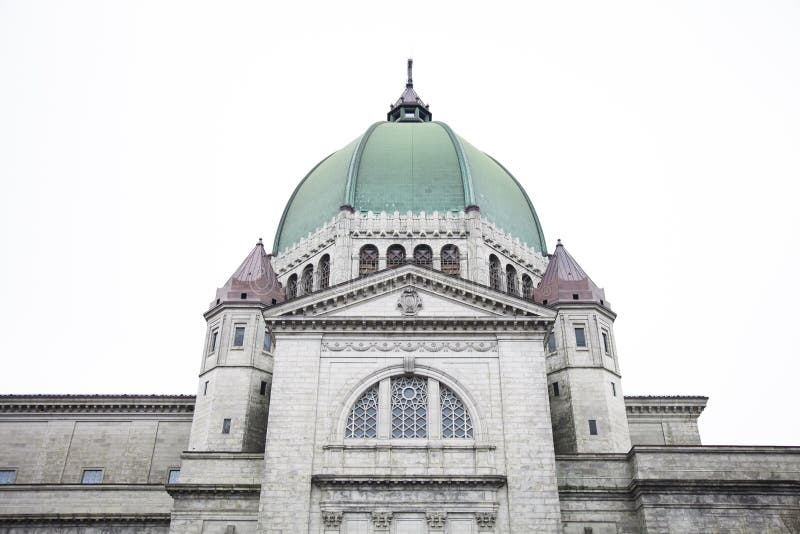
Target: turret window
580 337
592 427
605 343
451 260
226 426
408 409
212 342
551 342
172 476
238 336
92 476
367 260
8 476
267 340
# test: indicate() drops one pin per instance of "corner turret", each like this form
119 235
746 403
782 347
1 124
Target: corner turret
587 407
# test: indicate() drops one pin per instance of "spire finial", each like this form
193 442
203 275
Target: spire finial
260 242
559 244
410 81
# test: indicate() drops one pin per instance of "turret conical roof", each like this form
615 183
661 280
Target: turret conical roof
565 281
253 281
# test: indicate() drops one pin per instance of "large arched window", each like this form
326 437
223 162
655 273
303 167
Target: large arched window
527 287
495 276
307 281
324 272
423 256
291 287
451 260
511 280
395 256
367 260
408 403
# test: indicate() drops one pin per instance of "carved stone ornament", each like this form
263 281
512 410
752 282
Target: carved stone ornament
436 519
486 520
410 346
409 302
382 519
332 519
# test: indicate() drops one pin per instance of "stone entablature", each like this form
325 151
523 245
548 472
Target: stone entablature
97 404
689 405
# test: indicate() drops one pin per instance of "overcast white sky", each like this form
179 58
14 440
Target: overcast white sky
146 146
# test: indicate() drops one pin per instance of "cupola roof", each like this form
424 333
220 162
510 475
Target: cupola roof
564 281
253 281
409 107
412 166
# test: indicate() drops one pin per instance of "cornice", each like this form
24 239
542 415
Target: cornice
217 491
97 404
416 324
84 519
713 486
665 405
488 481
484 298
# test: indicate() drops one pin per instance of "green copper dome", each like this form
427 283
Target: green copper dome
409 166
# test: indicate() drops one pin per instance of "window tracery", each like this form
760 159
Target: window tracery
363 419
413 403
456 422
409 407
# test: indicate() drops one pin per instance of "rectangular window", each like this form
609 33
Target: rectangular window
205 388
614 388
226 426
551 343
8 476
556 392
592 427
92 476
172 477
267 340
605 343
580 337
263 389
212 344
238 336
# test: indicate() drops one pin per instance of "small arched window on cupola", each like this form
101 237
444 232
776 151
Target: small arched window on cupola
495 276
395 256
367 260
307 281
451 260
527 287
409 406
291 287
423 256
324 272
511 280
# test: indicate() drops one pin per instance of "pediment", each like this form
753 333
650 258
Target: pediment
409 292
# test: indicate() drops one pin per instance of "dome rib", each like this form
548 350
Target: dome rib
279 233
539 231
355 165
463 163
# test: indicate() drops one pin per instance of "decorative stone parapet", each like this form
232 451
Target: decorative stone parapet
419 225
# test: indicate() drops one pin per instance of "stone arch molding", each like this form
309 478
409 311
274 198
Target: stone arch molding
344 407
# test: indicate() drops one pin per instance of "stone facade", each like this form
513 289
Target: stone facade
394 373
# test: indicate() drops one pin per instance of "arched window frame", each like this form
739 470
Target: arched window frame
395 255
307 280
324 272
512 287
527 287
291 287
495 273
451 260
423 256
436 382
368 258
